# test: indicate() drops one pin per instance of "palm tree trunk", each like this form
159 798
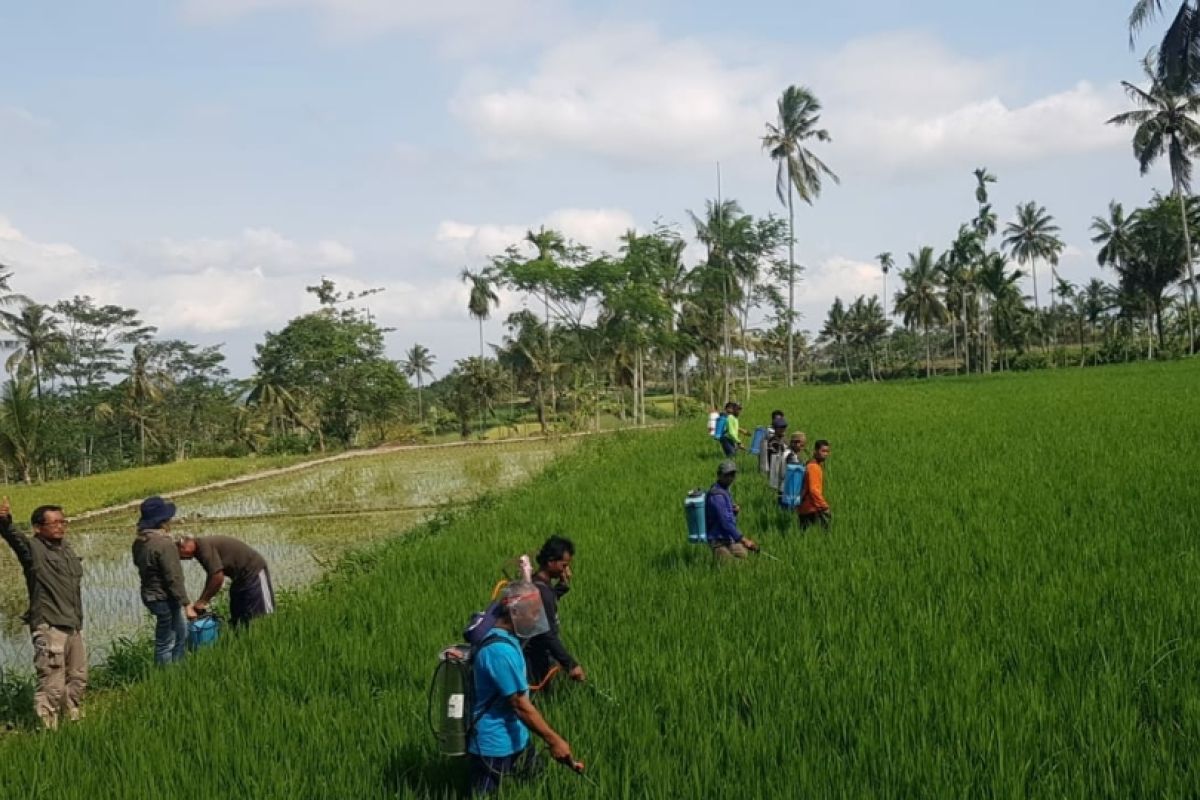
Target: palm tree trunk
954 341
791 283
1189 306
966 337
928 354
1037 306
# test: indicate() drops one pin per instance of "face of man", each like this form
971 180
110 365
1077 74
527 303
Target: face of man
798 445
556 569
187 548
727 479
823 453
53 526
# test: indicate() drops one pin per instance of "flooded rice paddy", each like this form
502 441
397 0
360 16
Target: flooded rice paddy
301 523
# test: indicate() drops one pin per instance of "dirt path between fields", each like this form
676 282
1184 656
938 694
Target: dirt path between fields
347 456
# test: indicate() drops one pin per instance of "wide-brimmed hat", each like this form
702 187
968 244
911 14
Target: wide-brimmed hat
154 512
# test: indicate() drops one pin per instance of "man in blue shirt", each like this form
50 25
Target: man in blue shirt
720 516
500 745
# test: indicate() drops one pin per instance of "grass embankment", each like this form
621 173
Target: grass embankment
79 495
1006 607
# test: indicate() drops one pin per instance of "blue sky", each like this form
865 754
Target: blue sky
202 160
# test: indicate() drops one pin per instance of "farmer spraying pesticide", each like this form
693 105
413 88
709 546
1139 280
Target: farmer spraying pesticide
726 541
499 745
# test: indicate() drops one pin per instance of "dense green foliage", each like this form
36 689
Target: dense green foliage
1005 607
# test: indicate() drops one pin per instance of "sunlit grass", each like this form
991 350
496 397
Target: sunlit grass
1004 608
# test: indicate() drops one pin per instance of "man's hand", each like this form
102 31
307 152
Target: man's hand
5 508
566 576
561 751
737 509
749 544
189 611
200 606
577 674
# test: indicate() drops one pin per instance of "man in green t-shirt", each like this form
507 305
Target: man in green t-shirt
731 440
250 594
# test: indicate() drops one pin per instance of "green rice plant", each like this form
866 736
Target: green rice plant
1005 607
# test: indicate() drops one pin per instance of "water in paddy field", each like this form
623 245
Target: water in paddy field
300 523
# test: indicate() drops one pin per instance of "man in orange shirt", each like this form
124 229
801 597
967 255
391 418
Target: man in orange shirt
813 508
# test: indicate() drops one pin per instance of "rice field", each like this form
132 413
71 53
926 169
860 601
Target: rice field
301 523
1005 607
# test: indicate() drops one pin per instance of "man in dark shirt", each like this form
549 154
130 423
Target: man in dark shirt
163 591
250 594
52 575
553 580
720 515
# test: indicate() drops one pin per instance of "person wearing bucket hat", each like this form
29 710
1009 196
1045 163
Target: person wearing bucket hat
162 587
720 512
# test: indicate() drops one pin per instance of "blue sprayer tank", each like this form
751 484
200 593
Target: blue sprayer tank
756 443
202 632
693 507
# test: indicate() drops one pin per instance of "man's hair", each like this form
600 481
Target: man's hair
730 405
554 549
38 517
776 413
820 443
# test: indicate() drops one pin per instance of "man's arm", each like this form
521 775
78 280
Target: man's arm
172 573
728 521
528 713
816 487
16 540
211 586
550 638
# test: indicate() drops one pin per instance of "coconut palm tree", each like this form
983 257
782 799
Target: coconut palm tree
417 363
918 302
1177 57
481 301
1030 237
34 333
21 428
1113 234
1005 303
144 386
837 329
1165 124
799 170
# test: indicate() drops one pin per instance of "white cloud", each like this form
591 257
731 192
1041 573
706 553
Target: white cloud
892 102
626 94
988 130
465 244
202 285
254 250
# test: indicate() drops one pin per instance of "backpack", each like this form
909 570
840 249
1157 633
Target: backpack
719 430
792 492
452 697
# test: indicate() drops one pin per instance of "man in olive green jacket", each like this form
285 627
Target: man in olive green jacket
161 574
52 575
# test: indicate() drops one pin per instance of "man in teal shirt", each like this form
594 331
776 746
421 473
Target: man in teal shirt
503 714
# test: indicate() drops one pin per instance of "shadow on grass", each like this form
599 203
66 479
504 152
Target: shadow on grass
420 772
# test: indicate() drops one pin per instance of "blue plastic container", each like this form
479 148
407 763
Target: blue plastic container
693 507
203 632
756 443
792 492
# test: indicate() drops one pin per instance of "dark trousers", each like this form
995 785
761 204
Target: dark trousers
820 518
728 448
251 598
487 772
